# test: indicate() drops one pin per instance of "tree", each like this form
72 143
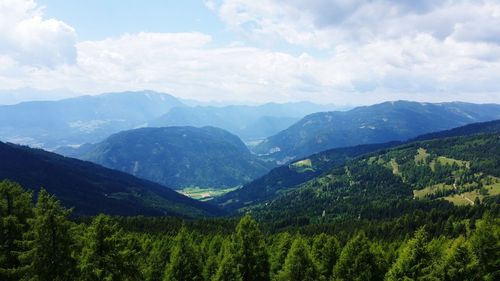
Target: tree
486 245
157 259
228 270
279 251
299 265
49 242
212 259
184 261
357 262
414 261
460 263
106 254
325 252
250 250
15 210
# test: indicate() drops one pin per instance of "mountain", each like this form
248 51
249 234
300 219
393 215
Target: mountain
247 122
178 156
283 178
92 189
74 121
413 177
389 121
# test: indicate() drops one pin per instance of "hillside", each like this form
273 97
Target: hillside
178 156
92 189
288 176
247 122
390 183
74 121
389 121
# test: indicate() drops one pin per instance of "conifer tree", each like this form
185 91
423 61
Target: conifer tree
325 252
184 261
229 269
279 251
106 254
299 266
357 262
460 263
414 261
486 245
49 254
250 250
15 210
212 257
157 259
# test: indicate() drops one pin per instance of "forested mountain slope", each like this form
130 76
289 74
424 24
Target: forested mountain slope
178 156
285 177
419 175
92 189
389 121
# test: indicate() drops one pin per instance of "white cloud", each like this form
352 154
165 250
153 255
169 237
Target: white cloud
28 38
370 51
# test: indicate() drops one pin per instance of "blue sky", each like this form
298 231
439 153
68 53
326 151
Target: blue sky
325 51
98 19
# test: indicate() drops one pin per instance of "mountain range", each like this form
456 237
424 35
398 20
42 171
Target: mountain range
389 121
91 189
177 156
287 177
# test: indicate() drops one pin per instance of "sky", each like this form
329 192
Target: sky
324 51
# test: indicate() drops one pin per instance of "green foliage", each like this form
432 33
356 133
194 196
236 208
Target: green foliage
326 250
486 245
15 210
107 253
357 261
49 242
250 251
184 261
415 261
299 265
460 263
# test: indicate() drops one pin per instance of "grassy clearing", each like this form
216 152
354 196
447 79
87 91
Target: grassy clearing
302 166
395 167
421 156
421 193
205 194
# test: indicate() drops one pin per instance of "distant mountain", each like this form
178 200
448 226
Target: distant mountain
74 121
178 156
286 177
389 121
248 122
92 189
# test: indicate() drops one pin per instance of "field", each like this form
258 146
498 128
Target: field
205 194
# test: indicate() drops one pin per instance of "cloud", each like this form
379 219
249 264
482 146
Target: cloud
28 38
336 51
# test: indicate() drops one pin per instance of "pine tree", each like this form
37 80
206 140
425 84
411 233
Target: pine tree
49 255
414 261
228 269
106 254
325 252
157 259
357 262
279 252
212 257
15 210
184 261
460 263
299 265
250 250
486 245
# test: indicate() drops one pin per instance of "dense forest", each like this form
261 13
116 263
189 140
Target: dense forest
43 241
